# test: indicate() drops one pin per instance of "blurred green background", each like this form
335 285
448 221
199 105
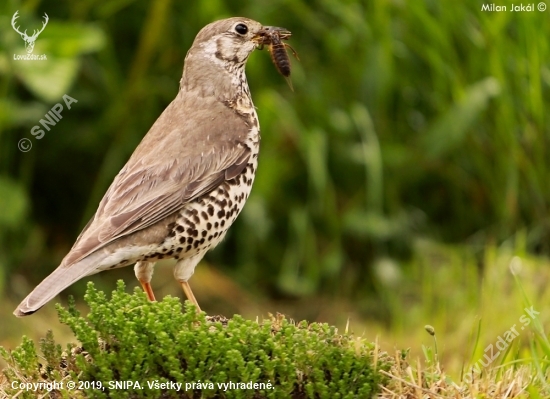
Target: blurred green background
397 182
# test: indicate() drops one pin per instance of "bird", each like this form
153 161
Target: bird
187 180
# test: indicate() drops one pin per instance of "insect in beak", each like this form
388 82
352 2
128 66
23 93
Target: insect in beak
272 37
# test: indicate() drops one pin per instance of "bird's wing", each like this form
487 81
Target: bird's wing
179 160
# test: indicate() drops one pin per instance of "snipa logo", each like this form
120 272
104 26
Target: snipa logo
29 40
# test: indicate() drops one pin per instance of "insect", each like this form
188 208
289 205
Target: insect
277 49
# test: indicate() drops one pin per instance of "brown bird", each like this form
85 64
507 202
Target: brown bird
188 179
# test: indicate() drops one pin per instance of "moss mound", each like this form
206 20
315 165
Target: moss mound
132 348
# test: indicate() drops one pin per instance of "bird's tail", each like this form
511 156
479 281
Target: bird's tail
56 282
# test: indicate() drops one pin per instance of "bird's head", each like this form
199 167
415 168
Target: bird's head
222 48
229 41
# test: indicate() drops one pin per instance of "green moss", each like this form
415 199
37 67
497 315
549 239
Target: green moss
142 345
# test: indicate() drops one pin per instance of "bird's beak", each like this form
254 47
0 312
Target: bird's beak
264 35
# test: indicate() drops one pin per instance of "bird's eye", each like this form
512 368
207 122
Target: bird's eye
241 29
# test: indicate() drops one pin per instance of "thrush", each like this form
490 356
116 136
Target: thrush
188 179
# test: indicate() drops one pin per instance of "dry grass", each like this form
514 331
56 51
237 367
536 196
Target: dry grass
418 381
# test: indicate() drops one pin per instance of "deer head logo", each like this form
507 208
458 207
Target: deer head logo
29 40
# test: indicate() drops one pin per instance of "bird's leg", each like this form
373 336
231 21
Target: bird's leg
189 294
183 271
144 273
